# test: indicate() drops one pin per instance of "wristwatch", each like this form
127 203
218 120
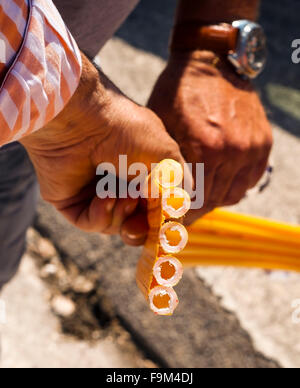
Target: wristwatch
243 42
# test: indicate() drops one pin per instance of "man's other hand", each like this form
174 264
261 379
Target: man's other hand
217 118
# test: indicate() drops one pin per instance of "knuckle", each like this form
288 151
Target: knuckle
208 138
239 144
265 141
216 142
171 151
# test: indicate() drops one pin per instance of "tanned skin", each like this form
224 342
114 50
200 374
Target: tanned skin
97 125
214 115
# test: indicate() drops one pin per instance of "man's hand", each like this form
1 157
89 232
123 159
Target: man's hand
97 125
218 119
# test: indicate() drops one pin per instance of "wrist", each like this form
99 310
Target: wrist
243 42
206 64
196 57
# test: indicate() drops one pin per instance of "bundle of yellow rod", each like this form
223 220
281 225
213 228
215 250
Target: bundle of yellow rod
219 238
225 238
159 270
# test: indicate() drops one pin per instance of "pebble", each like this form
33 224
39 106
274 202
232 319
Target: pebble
48 270
82 285
63 306
46 249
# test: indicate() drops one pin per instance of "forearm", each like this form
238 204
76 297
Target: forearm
216 11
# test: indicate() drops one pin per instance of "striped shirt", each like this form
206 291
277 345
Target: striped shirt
40 66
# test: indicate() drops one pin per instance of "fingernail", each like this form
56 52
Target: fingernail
134 239
110 205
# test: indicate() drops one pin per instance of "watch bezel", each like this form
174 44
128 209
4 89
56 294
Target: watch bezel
239 58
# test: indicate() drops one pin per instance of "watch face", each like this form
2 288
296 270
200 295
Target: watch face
256 50
250 56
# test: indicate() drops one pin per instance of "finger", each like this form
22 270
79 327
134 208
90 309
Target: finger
134 231
122 210
246 179
194 215
222 182
258 171
239 187
91 216
189 183
209 176
217 185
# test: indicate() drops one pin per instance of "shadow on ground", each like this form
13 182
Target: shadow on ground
149 26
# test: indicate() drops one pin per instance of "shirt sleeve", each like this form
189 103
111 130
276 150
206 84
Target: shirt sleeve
42 71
